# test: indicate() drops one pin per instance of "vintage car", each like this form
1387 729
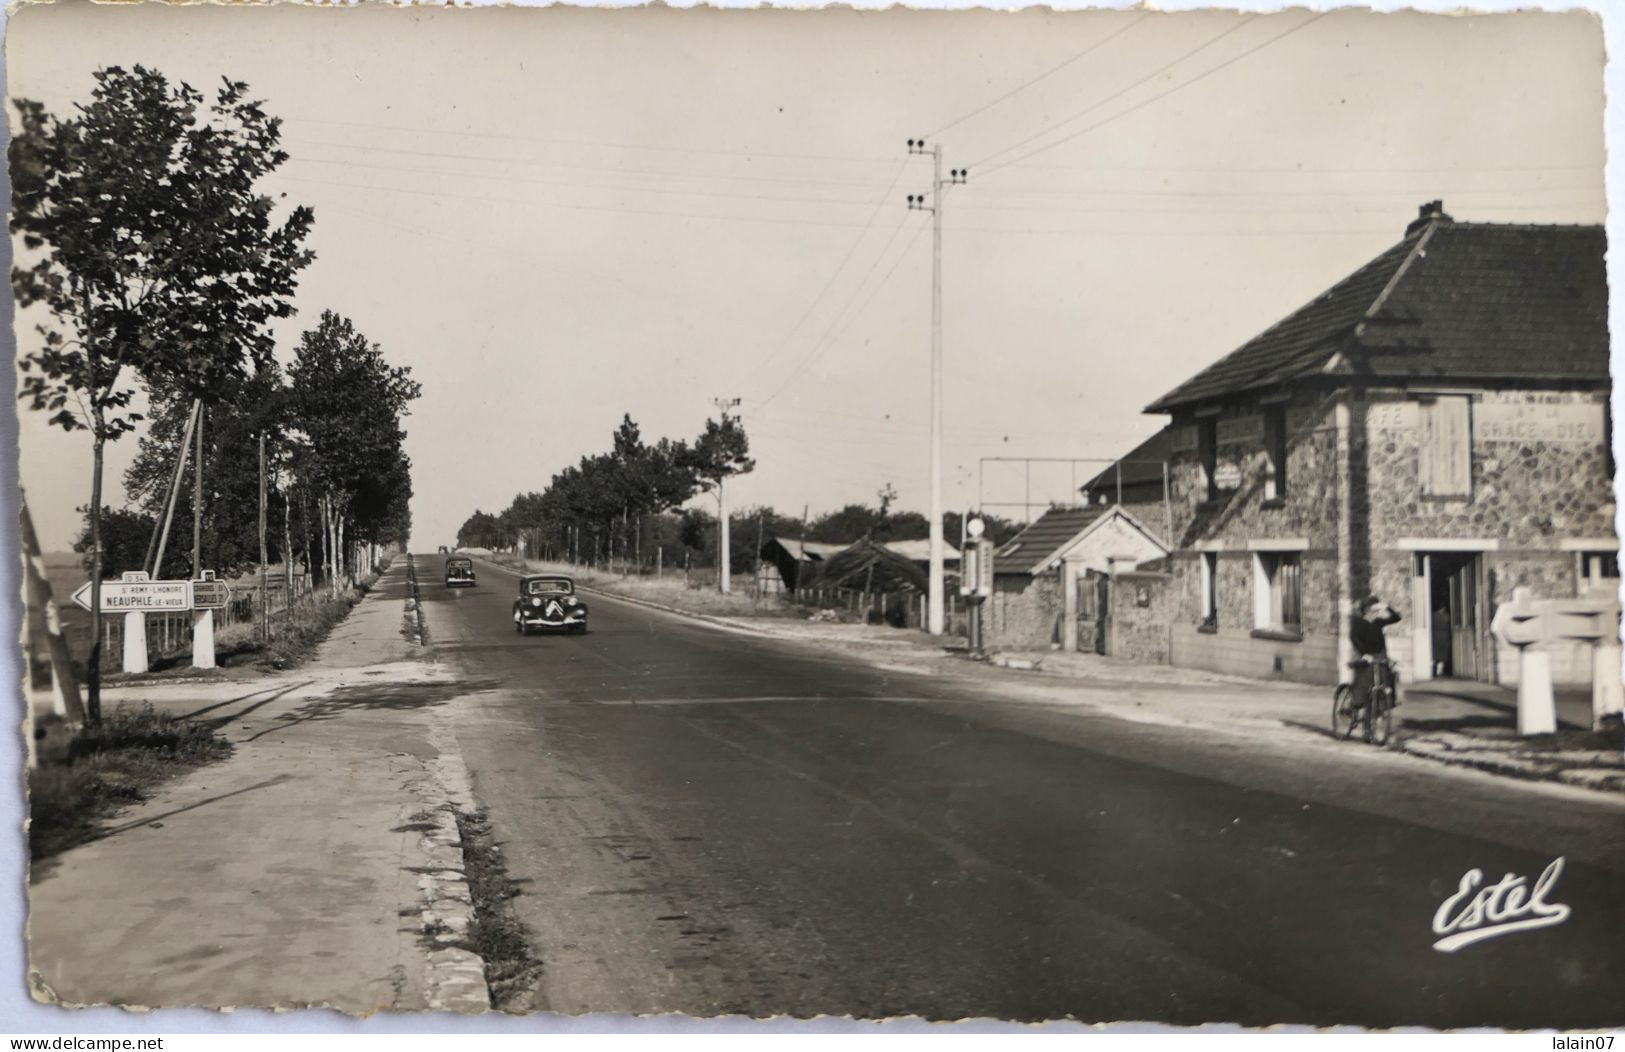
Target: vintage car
459 572
548 601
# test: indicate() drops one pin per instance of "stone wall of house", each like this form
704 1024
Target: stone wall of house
1140 633
1233 644
1024 611
1242 512
1540 477
1539 470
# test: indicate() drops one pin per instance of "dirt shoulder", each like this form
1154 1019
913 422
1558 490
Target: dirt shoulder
319 865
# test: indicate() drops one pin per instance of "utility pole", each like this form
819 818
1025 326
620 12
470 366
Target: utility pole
724 577
265 581
197 501
917 202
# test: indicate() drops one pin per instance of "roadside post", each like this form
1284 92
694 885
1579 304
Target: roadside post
1534 627
208 595
1594 620
135 596
1517 623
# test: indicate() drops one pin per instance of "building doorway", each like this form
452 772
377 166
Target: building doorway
1453 583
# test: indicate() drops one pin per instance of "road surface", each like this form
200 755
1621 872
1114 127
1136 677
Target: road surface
705 821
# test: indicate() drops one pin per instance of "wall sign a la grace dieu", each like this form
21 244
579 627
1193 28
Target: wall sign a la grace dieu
1538 422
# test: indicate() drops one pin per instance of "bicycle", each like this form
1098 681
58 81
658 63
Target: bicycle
1376 715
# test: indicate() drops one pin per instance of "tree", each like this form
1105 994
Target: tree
124 534
150 252
348 402
242 411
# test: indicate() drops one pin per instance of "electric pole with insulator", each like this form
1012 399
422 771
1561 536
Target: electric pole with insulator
919 203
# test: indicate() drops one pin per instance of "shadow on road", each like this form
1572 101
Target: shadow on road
370 697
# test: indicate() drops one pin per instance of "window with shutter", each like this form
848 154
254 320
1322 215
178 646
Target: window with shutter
1445 447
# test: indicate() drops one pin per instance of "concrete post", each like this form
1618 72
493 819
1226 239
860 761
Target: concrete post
1607 694
1069 604
1537 710
135 641
203 639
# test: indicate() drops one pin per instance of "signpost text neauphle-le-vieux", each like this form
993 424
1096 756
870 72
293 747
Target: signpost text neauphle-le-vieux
136 595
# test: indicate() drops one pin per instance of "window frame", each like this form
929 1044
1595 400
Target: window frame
1207 454
1209 562
1275 452
1270 598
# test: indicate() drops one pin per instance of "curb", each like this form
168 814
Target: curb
1609 782
414 604
454 977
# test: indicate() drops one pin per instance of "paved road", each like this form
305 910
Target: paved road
707 822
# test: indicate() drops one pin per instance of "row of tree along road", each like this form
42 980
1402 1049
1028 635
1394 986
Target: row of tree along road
625 508
154 267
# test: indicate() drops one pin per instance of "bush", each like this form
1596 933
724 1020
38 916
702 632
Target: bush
80 777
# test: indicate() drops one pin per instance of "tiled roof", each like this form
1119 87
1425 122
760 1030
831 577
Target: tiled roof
1451 301
1143 463
920 550
1041 539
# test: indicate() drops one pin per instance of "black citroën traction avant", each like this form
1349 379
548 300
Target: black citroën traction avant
459 572
548 601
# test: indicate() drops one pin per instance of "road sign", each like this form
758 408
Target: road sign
209 594
139 596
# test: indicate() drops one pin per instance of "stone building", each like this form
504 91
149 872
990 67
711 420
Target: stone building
1053 581
1433 429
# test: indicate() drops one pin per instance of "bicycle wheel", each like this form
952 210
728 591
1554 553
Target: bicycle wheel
1379 727
1343 716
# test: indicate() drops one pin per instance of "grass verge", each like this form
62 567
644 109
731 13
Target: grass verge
82 777
497 934
294 636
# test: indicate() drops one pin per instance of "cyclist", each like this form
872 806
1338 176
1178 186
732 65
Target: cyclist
1370 645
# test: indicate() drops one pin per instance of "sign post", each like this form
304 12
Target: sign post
1517 624
208 595
135 596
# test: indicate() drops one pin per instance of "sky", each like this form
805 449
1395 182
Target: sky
558 216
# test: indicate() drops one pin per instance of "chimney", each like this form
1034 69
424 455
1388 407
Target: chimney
1431 212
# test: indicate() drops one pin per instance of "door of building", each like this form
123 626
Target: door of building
1456 619
1103 615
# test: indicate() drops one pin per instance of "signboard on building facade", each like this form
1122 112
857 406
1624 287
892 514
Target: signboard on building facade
1227 475
1248 429
1579 422
1182 440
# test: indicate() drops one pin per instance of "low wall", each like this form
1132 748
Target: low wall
1312 659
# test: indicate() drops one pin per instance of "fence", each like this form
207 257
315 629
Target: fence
899 609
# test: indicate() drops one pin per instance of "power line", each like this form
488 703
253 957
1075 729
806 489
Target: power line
1042 76
839 269
825 342
653 173
1162 95
710 216
678 191
588 143
1159 71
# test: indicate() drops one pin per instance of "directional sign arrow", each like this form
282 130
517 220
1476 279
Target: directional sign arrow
124 597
